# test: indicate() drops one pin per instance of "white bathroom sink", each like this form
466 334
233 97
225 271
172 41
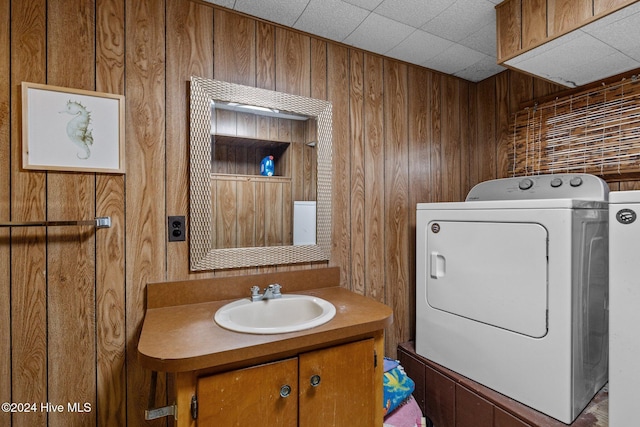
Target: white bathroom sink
290 313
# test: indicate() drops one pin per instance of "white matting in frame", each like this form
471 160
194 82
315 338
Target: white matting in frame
71 129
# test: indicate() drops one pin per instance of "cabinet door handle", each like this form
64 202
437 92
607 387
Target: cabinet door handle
315 381
285 390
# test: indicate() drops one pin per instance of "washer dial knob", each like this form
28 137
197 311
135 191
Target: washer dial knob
525 184
576 181
556 182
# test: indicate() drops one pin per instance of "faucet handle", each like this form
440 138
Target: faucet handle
275 289
255 291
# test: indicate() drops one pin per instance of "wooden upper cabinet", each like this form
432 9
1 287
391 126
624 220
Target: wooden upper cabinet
566 15
601 7
525 24
534 23
509 28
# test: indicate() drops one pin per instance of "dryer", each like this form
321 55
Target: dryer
512 285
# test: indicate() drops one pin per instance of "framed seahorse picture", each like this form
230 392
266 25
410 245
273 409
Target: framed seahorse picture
74 130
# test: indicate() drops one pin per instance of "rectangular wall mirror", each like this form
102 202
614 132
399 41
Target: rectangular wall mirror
239 215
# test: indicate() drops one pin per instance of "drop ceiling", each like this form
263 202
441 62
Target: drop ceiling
456 37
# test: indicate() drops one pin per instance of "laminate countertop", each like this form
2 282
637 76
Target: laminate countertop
184 337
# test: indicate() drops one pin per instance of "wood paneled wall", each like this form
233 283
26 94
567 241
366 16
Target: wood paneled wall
72 300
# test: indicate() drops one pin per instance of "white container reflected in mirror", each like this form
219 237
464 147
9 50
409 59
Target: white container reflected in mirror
304 223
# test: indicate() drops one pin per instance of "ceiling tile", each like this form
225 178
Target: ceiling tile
564 58
332 19
412 12
544 48
452 36
378 34
365 4
481 70
462 19
483 40
454 59
623 13
599 66
419 47
621 33
284 12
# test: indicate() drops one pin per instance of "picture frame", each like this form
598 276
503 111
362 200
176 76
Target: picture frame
73 130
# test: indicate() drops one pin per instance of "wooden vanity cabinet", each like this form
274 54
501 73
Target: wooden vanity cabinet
236 378
240 397
334 386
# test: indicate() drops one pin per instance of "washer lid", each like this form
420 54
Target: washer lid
561 186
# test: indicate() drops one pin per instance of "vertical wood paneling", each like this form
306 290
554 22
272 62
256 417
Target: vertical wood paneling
234 48
265 56
502 123
110 264
338 94
436 138
145 150
419 167
358 200
293 62
450 161
374 176
189 53
485 149
471 170
318 69
396 191
465 135
5 212
28 203
70 253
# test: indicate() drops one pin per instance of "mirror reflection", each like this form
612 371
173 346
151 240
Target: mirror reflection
263 176
260 177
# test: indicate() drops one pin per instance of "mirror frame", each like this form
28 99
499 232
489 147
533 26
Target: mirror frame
202 255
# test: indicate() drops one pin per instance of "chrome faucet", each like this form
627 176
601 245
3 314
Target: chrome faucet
270 292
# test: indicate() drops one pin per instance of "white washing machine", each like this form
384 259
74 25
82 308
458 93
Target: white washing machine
512 288
624 307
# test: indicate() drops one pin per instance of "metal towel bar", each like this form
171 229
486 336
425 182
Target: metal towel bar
99 222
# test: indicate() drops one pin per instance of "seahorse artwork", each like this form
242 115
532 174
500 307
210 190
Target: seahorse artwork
78 128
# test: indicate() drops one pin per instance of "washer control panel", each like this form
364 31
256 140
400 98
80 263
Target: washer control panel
556 186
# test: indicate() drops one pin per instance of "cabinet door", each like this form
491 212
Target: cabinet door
534 23
337 386
251 396
440 398
504 419
472 410
509 27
